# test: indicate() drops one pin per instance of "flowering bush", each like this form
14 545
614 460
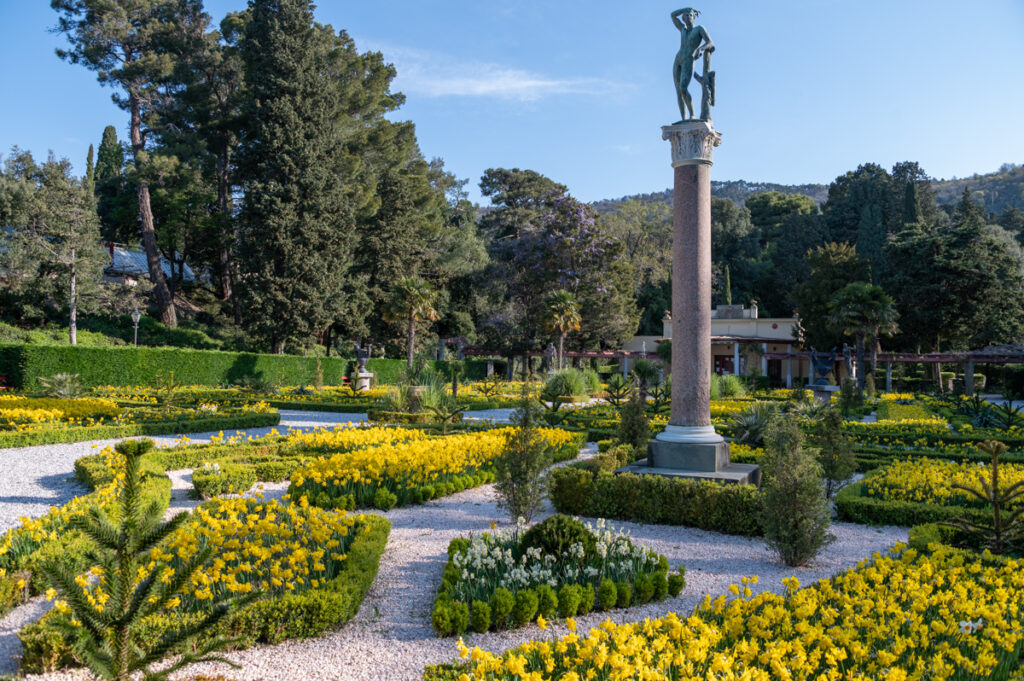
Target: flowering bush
487 573
899 616
415 470
933 481
33 413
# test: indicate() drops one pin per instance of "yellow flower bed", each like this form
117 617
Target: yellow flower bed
897 397
32 413
894 618
403 468
265 546
725 408
931 481
348 438
933 426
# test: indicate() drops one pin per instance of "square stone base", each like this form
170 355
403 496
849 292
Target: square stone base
694 460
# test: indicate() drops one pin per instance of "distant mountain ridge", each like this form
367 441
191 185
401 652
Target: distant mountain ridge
995 191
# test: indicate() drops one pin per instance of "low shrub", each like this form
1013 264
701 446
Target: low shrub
720 507
214 479
505 581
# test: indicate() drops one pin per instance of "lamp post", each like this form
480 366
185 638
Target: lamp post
136 316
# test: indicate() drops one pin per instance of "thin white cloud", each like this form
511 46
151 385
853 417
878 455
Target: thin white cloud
436 75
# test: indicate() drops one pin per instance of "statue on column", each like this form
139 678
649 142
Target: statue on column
694 43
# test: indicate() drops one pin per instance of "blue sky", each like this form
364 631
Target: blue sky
807 89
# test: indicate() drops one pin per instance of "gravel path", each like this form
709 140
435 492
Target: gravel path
42 476
391 638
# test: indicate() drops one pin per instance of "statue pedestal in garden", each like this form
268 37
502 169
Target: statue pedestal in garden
689 447
363 380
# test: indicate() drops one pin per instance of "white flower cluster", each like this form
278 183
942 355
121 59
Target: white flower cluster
211 467
494 560
208 408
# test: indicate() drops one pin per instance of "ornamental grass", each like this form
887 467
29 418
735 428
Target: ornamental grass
949 616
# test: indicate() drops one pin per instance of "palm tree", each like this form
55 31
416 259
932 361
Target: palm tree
412 300
863 310
646 374
563 316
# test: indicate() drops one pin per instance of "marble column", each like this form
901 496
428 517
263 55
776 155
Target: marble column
693 143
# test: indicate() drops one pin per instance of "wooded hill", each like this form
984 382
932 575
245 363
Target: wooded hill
995 192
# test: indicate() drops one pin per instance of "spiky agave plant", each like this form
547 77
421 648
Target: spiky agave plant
107 637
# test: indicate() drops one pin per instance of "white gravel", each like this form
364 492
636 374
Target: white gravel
42 476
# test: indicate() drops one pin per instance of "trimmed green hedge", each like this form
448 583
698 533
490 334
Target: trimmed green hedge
719 507
204 425
21 366
272 620
853 505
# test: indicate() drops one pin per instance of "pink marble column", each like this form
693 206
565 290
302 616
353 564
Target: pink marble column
692 145
691 297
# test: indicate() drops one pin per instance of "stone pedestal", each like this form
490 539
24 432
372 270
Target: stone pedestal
363 380
689 446
823 393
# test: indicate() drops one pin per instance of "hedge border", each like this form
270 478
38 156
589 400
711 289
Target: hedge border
290 616
22 364
853 505
185 427
659 500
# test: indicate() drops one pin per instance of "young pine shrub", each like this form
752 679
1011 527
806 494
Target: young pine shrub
525 607
547 601
835 452
677 582
569 597
617 390
587 596
634 426
481 617
519 483
106 639
623 594
502 604
1005 532
607 595
796 512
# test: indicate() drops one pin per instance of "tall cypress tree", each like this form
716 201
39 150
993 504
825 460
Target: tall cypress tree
116 204
89 167
110 160
295 221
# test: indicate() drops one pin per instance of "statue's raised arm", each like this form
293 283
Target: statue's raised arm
694 41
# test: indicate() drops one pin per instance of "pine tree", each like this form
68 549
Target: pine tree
106 639
296 221
116 203
134 45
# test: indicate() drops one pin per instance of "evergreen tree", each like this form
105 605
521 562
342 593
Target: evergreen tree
89 168
957 286
296 221
831 267
769 210
411 301
865 312
54 251
134 45
116 204
871 237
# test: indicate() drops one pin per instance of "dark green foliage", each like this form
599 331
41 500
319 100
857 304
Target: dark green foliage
834 451
643 589
732 509
607 595
749 425
384 500
831 268
617 390
296 228
525 608
855 506
850 397
623 594
460 617
569 597
587 596
677 582
660 584
520 486
442 617
557 534
634 426
502 604
480 617
106 640
547 601
796 513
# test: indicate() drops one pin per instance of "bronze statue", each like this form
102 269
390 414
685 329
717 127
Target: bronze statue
694 43
822 365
